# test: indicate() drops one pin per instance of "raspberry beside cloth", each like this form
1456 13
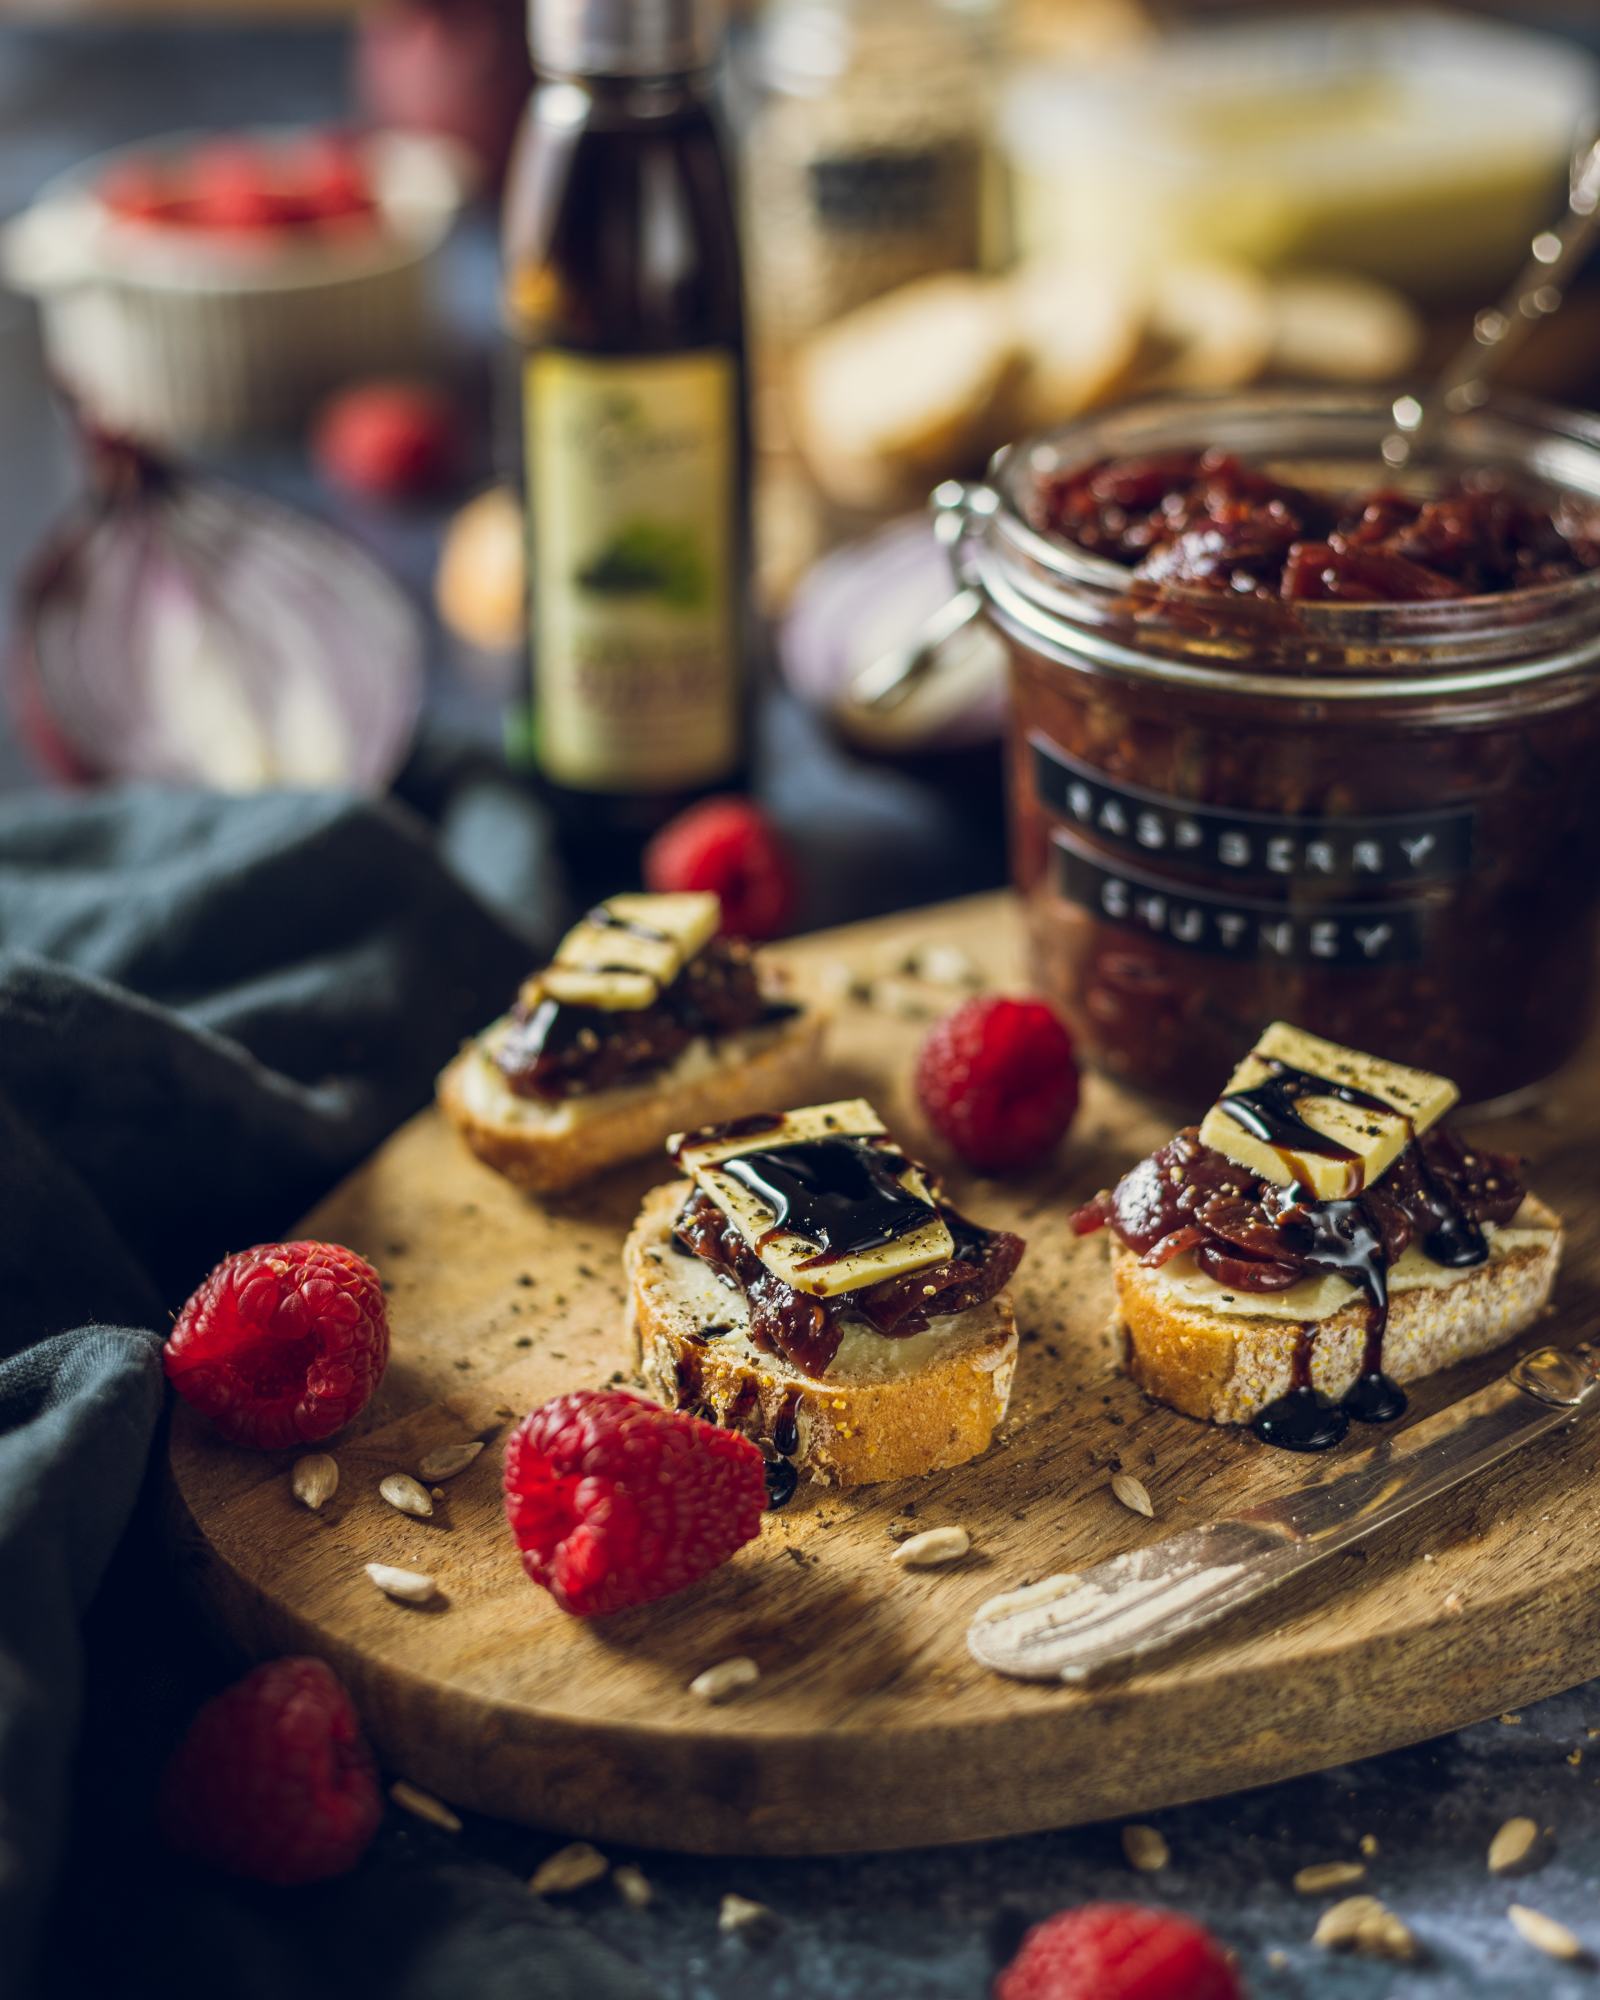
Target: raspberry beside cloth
210 1009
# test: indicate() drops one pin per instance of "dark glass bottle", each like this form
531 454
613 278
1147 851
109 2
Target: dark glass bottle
624 297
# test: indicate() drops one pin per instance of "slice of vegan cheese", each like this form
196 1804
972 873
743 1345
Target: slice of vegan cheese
626 961
1375 1138
786 1254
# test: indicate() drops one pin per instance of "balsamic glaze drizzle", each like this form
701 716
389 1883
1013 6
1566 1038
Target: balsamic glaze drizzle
842 1194
606 919
1339 1237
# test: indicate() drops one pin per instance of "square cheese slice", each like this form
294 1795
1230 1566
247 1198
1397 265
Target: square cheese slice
786 1254
628 948
1372 1138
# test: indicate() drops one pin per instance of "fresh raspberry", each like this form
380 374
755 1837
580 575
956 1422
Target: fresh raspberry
136 191
1117 1951
331 176
731 847
274 1779
614 1501
388 440
283 1344
999 1082
232 187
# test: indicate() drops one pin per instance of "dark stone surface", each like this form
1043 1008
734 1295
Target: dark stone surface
894 1927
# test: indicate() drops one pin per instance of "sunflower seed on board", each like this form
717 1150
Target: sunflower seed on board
446 1460
410 1586
633 1886
1322 1876
1512 1845
1131 1492
314 1479
932 1547
723 1681
405 1494
1145 1849
741 1917
423 1805
1546 1935
568 1870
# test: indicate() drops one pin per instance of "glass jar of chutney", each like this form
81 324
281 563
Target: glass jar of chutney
1378 820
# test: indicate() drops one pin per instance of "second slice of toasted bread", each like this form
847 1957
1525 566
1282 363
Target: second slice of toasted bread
885 1409
1227 1363
546 1146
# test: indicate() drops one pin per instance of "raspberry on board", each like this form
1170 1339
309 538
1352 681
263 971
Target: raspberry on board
730 847
615 1501
1119 1951
998 1081
274 1779
283 1344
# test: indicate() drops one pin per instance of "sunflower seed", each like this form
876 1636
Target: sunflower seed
1322 1876
412 1799
411 1586
403 1492
314 1480
723 1681
568 1870
1546 1935
932 1547
633 1886
1131 1493
739 1916
446 1460
1338 1926
1145 1849
1512 1846
1363 1924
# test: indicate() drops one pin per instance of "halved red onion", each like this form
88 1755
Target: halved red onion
179 630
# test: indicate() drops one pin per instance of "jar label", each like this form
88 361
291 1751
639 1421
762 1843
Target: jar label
1374 851
1243 927
632 480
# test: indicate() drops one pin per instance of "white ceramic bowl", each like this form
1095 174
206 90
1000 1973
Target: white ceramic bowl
196 337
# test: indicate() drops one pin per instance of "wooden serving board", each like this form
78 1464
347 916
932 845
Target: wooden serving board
870 1727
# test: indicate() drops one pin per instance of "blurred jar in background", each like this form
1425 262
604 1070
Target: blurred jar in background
868 160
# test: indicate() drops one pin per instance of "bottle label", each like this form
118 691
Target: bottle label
632 469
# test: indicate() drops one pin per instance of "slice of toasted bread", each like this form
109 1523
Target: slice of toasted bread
885 1409
546 1147
1227 1364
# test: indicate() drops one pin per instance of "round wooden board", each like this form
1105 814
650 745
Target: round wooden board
870 1727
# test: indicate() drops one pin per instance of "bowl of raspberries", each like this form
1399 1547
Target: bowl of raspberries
204 287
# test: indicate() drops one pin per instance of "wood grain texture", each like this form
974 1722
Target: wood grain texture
870 1727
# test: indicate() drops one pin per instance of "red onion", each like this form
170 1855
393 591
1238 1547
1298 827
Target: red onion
179 630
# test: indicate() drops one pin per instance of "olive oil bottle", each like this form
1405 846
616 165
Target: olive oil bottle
624 300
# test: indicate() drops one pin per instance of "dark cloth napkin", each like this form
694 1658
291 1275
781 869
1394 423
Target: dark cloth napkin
209 1010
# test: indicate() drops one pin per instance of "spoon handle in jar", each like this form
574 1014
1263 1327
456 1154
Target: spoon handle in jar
1499 330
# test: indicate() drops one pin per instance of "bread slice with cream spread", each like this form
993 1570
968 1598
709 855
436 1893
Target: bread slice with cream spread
645 1021
882 1351
1320 1240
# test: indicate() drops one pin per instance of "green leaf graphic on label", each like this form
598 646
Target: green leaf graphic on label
647 558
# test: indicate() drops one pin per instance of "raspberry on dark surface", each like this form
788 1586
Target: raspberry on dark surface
389 441
1119 1951
282 1345
730 847
274 1779
998 1081
615 1501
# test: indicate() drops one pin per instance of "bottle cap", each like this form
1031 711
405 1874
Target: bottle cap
624 37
